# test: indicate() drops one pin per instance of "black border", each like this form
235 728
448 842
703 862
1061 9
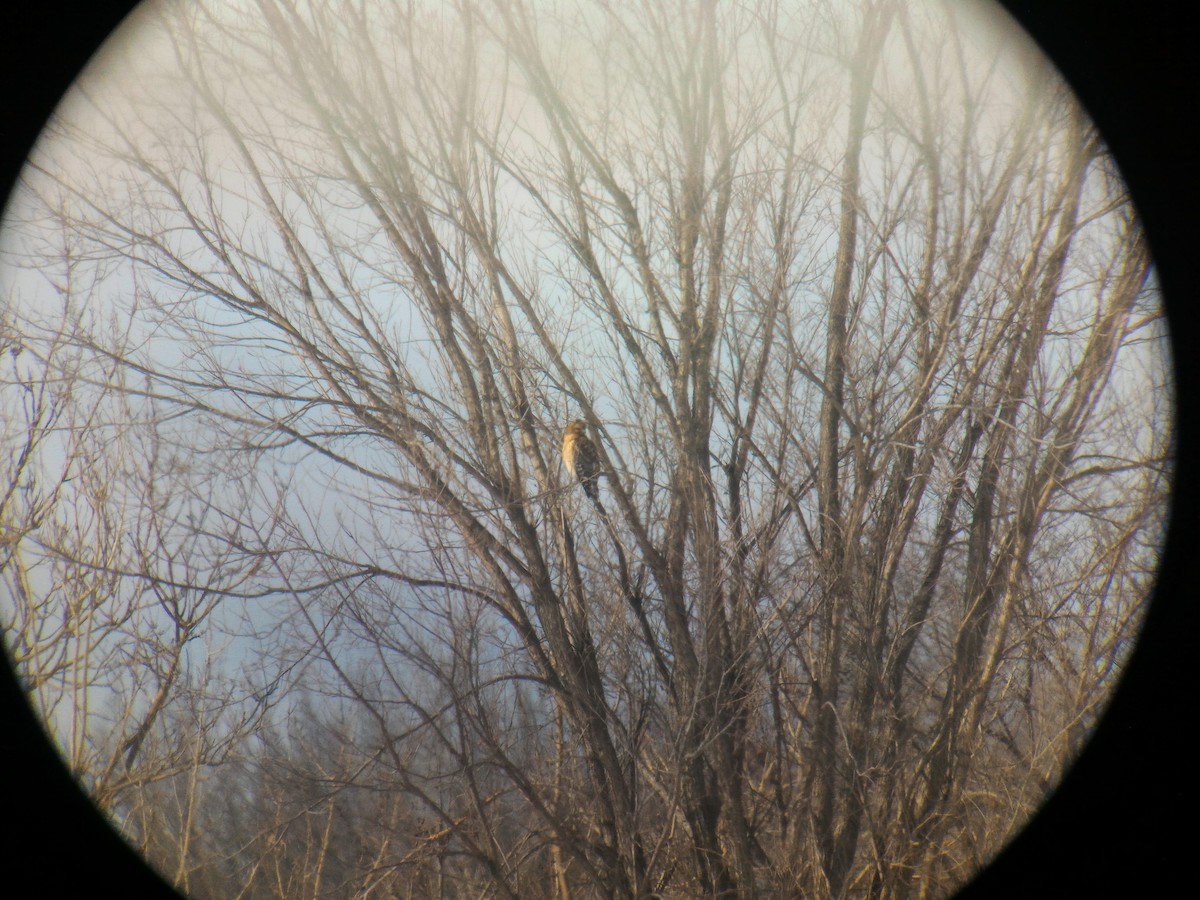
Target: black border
51 836
1113 828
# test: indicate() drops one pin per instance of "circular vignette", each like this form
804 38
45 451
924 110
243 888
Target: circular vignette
53 836
1106 823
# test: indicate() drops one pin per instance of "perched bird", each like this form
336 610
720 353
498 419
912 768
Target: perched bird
579 453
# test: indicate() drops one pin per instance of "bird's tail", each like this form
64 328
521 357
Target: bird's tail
590 488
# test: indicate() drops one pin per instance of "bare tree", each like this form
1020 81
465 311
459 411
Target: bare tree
862 327
109 576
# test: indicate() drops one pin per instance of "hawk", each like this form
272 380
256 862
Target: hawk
579 453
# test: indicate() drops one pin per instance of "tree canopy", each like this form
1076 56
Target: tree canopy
300 298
